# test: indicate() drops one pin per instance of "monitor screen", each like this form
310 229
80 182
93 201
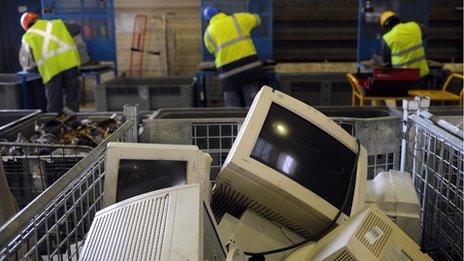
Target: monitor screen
136 177
306 154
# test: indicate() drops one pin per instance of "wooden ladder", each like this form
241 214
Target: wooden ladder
138 46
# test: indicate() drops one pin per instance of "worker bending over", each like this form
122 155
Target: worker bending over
402 44
49 46
241 73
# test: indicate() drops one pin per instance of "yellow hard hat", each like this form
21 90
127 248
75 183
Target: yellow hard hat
385 15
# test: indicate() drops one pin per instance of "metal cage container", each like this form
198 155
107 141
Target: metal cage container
53 226
215 129
434 156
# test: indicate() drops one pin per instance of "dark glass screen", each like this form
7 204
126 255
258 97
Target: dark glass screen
306 154
136 177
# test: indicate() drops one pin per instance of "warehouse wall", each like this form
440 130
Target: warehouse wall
318 31
188 33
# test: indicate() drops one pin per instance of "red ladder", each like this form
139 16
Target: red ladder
138 45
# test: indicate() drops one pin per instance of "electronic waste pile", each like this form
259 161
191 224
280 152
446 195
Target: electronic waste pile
293 187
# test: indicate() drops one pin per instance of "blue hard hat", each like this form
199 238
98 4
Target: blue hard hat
209 12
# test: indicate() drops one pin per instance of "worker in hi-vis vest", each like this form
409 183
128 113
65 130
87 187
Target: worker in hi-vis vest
49 47
402 44
241 73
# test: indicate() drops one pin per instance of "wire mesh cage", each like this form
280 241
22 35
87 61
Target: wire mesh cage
31 168
434 156
53 226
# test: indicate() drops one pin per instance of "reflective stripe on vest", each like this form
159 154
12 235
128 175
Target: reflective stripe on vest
47 37
240 69
406 51
240 37
410 62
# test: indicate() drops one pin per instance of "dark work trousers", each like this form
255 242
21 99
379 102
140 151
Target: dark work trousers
242 95
67 83
241 89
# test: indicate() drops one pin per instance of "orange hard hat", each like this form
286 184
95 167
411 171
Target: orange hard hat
27 18
385 16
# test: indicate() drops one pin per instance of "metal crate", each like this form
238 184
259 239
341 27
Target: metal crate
9 118
27 126
37 167
435 158
34 167
54 225
214 130
150 93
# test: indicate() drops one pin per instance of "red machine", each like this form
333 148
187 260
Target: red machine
389 82
381 74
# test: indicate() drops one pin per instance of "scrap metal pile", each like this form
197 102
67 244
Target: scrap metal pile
65 130
70 130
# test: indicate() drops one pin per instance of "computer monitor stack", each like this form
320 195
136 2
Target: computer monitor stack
293 165
290 166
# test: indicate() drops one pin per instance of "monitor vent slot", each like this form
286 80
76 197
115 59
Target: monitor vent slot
408 246
228 200
344 256
123 232
374 234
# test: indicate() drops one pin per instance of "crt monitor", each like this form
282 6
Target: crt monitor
168 224
291 164
394 193
137 168
369 235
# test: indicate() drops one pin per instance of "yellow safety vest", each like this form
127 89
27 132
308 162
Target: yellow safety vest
228 37
53 48
405 43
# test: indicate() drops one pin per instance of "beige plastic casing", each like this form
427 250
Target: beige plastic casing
165 224
354 240
394 193
254 233
277 197
198 164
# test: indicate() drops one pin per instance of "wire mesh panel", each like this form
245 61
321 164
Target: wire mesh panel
438 178
384 153
215 139
54 225
31 168
435 159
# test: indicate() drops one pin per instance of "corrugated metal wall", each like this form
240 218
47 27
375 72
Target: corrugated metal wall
316 30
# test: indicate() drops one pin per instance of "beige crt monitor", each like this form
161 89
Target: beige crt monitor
370 235
394 193
137 168
291 164
167 224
